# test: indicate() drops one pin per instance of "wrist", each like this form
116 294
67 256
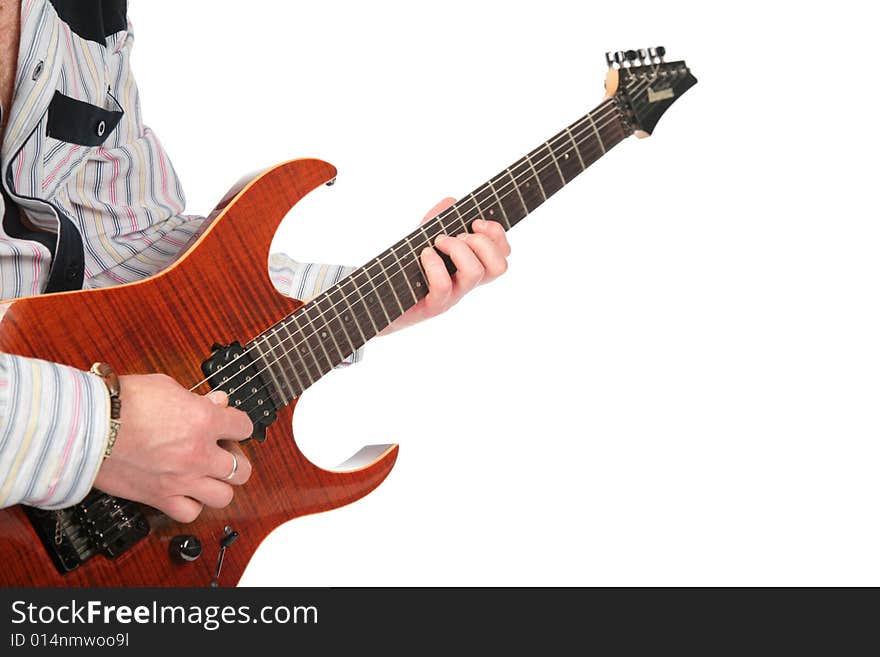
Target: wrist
105 372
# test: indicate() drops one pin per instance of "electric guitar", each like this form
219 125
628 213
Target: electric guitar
226 327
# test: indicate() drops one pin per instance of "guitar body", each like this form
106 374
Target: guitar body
219 291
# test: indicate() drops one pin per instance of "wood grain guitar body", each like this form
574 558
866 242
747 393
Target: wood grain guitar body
218 292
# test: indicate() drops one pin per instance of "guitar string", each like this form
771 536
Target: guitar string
401 269
356 296
437 222
504 193
335 304
371 275
286 353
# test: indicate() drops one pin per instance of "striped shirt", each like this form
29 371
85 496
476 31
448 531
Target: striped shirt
100 205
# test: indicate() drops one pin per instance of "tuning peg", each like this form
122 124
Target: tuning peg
620 57
631 56
657 53
643 55
609 59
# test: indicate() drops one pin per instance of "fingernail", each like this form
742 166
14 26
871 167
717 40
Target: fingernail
441 238
480 223
218 397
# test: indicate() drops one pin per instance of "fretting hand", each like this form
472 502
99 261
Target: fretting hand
479 257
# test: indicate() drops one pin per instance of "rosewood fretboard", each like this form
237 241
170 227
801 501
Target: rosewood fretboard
300 349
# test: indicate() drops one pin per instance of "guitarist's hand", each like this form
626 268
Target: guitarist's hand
479 257
167 453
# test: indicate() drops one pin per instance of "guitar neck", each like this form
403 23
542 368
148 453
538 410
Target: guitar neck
306 345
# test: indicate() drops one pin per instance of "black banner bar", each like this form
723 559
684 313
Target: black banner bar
547 621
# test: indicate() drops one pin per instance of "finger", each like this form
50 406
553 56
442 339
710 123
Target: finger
438 279
180 508
469 269
489 255
211 492
224 462
437 209
234 424
495 232
245 468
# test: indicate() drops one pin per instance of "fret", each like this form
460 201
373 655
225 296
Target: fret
326 327
348 315
356 303
290 348
428 240
304 349
450 222
342 319
565 161
267 366
596 130
481 213
416 276
390 284
555 160
518 192
398 280
279 354
528 185
465 225
576 150
371 299
402 269
314 339
472 212
528 160
501 207
551 181
418 279
590 147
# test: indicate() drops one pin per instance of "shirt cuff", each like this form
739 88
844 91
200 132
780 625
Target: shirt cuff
54 424
305 280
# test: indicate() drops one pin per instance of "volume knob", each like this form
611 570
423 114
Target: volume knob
185 547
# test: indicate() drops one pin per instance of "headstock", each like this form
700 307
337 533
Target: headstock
645 85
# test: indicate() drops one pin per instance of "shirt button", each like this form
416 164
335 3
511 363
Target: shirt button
37 70
102 127
72 272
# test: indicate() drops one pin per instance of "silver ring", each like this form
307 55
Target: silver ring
234 467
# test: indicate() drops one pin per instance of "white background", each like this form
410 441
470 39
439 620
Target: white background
677 381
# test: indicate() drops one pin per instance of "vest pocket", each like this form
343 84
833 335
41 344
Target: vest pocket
73 128
77 122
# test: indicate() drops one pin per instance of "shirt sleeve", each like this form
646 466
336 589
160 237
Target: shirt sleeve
54 423
305 280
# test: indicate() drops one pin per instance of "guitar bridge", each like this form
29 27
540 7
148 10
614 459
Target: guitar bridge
100 524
